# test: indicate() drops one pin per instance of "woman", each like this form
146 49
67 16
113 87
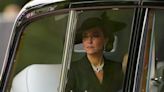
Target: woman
94 73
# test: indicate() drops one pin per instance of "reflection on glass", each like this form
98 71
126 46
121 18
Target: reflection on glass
156 68
153 66
39 55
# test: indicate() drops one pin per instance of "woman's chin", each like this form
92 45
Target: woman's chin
91 52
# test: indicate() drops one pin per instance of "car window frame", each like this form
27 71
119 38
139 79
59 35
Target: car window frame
20 28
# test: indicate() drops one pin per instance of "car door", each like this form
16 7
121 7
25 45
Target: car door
152 60
43 46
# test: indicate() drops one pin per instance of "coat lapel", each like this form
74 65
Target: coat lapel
90 73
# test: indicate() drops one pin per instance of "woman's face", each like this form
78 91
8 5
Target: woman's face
93 40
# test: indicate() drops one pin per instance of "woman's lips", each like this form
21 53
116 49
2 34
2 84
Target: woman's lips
90 46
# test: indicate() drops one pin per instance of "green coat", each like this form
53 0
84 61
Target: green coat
81 77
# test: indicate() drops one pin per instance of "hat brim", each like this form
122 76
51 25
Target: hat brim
110 26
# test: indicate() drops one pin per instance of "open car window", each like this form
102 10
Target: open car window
81 77
119 46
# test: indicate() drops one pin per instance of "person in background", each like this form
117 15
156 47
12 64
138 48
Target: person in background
10 12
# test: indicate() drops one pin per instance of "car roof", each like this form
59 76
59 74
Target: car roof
35 3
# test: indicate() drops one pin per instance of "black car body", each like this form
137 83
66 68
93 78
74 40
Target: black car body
42 47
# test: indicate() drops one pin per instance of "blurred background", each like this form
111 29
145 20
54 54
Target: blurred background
11 7
4 3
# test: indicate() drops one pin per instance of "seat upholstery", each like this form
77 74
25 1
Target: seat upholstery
37 78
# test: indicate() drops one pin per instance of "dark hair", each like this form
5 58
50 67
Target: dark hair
109 27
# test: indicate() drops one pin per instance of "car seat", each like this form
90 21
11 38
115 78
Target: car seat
37 78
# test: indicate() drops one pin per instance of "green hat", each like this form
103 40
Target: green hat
109 27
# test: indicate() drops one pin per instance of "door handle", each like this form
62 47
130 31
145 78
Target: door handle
157 80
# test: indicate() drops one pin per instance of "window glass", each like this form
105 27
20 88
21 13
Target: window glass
155 66
159 51
101 43
38 57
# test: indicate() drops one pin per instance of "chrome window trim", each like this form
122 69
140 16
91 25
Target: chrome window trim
68 46
138 58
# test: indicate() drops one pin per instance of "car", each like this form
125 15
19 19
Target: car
43 45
